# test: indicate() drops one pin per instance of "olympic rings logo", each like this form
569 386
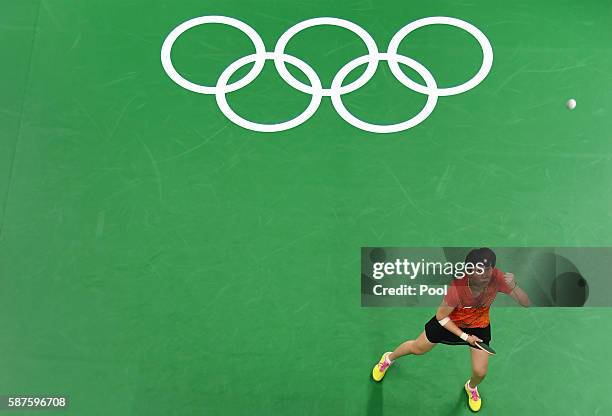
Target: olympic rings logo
337 89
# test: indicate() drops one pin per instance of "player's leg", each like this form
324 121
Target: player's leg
418 346
480 364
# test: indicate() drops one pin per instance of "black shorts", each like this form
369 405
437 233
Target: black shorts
436 333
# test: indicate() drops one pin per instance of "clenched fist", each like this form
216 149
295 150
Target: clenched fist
509 278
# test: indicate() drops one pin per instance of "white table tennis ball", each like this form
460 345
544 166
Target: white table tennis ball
571 103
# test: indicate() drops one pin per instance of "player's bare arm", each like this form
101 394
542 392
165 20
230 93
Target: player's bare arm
517 293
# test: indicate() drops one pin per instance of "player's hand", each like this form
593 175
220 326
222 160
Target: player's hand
509 278
472 340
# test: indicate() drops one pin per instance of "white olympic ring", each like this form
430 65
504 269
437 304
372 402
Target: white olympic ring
331 21
268 128
487 55
260 49
432 99
336 90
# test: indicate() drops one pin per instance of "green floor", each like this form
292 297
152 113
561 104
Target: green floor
156 259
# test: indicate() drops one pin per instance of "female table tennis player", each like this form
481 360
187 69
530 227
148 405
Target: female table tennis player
463 319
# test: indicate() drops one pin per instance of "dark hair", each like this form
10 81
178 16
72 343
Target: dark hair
481 255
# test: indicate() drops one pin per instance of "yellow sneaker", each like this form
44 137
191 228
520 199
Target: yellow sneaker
474 400
379 370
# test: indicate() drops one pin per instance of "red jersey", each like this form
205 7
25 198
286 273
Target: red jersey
470 311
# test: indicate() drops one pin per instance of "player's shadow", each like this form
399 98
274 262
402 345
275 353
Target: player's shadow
459 405
375 399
